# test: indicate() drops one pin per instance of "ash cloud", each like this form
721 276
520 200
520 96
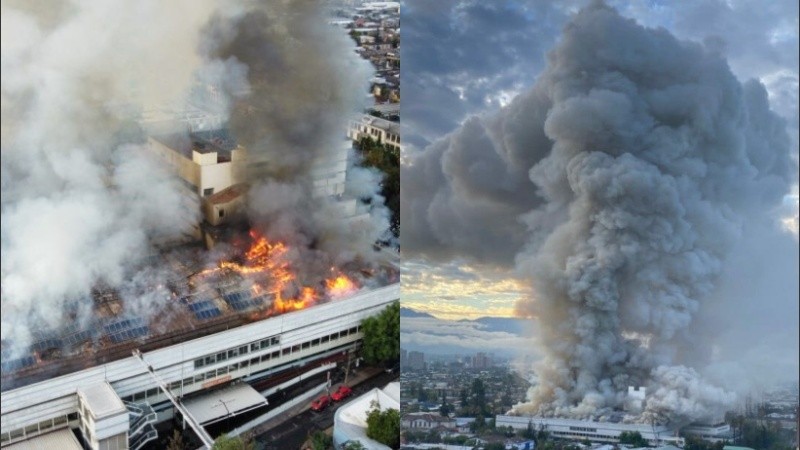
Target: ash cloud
84 206
81 204
305 82
618 185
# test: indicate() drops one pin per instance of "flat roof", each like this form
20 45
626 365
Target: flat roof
221 403
102 400
63 439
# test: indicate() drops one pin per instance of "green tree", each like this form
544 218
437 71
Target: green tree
384 426
382 335
494 446
445 409
226 442
176 441
633 438
321 441
353 445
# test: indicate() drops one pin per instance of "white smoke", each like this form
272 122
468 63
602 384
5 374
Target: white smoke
83 204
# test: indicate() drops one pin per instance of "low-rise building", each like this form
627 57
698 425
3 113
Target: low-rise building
350 420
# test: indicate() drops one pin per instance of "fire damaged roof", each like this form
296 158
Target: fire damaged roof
196 302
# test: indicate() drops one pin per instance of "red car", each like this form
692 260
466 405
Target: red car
341 393
320 403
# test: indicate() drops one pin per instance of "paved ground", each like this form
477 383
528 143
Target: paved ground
291 430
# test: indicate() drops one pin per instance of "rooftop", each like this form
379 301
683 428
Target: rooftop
102 400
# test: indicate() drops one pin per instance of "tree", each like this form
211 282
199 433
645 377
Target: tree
176 441
494 446
384 426
445 409
321 441
353 445
382 335
226 442
633 438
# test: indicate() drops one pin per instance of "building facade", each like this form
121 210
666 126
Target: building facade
245 353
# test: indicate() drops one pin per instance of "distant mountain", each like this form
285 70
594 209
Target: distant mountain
408 312
511 325
503 336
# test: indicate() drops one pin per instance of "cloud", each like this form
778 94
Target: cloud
618 185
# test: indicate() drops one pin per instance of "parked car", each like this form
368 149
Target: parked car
320 403
342 393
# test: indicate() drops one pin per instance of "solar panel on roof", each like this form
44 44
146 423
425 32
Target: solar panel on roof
126 329
240 300
11 365
205 309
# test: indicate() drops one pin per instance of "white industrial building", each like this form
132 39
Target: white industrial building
350 420
609 432
114 405
380 130
580 430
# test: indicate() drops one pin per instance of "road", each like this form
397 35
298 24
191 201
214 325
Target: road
295 430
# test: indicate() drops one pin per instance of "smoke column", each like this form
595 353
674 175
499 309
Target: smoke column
83 204
305 82
618 185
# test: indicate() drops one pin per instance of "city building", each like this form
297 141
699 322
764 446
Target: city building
118 401
379 130
350 420
416 360
427 421
580 430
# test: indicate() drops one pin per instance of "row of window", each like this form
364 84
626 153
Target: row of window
590 430
212 374
237 351
37 428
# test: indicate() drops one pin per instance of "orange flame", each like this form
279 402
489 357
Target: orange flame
341 286
267 258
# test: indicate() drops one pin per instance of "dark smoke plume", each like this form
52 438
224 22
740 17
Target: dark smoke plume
618 185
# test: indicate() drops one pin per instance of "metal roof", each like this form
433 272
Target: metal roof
221 403
102 400
63 439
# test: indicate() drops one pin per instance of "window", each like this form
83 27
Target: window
295 349
254 361
315 342
286 351
334 336
232 353
222 371
199 378
32 429
265 343
254 346
208 191
264 357
198 363
59 420
243 350
275 354
189 380
275 341
325 339
234 366
16 433
244 363
152 392
221 213
306 345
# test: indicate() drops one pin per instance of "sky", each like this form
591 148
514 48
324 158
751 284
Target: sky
464 58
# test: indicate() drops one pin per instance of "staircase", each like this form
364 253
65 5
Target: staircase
141 431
